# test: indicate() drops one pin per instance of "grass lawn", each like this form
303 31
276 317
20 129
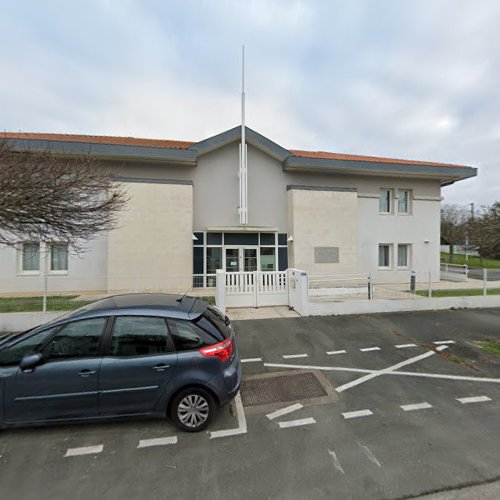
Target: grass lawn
491 347
30 304
54 303
473 261
459 292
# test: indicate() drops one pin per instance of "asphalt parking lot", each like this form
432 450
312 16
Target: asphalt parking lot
386 406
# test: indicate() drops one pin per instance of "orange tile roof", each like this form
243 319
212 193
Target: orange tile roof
165 143
98 139
376 159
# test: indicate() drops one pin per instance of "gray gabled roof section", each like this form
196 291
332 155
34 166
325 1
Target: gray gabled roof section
448 175
232 135
188 156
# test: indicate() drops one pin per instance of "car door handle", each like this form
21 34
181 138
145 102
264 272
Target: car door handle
161 367
87 373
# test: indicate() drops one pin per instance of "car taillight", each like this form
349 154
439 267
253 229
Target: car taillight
222 350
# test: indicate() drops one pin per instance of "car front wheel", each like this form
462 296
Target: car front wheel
193 409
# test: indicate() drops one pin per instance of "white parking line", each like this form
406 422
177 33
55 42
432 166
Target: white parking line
395 372
296 423
369 454
416 406
330 353
389 369
293 356
284 411
251 360
356 414
242 422
146 443
336 462
404 346
443 342
475 399
84 450
368 349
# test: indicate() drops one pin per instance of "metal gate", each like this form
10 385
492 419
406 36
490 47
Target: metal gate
255 289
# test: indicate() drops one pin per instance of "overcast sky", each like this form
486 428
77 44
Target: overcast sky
409 79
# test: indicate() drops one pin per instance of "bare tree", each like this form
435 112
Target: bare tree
454 220
486 231
49 197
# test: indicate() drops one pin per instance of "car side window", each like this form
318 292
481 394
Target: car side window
12 355
139 336
78 339
187 336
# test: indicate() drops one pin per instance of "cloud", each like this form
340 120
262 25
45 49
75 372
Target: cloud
415 79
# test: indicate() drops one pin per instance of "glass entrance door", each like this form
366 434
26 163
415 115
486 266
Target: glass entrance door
241 259
232 260
249 259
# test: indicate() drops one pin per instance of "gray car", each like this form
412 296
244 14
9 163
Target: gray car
124 356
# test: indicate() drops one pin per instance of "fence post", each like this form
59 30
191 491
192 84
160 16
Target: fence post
485 282
255 289
430 284
45 290
220 290
413 282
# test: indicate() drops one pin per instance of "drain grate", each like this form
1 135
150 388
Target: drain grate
280 389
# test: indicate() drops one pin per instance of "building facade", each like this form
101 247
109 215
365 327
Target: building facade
320 212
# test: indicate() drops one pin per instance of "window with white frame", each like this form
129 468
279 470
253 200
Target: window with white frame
403 255
404 201
30 257
58 257
385 201
384 256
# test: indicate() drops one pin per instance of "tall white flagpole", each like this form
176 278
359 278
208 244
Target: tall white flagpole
243 149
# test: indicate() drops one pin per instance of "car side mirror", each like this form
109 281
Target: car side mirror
29 361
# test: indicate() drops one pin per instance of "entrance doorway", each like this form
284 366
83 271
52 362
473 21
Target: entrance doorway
238 259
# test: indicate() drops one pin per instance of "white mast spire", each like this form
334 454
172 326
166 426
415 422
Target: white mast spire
243 210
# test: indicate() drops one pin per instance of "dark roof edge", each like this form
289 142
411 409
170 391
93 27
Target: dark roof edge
321 188
369 167
254 138
106 151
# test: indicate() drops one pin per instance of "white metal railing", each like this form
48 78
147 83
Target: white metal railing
267 281
454 272
239 282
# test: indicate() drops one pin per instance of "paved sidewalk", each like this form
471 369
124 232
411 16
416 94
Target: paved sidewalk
488 491
243 313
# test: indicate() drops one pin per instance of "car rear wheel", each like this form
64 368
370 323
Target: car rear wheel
193 409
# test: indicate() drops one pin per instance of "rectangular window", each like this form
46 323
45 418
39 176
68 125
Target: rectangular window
58 257
404 255
267 258
404 201
384 256
384 205
214 259
30 260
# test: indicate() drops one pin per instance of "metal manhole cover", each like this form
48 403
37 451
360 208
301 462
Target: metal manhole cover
281 389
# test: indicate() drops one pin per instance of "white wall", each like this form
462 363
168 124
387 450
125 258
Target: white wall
86 271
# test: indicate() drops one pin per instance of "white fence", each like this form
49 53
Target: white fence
454 272
251 289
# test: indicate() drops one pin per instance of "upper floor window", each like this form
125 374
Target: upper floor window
404 197
30 257
58 257
385 201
